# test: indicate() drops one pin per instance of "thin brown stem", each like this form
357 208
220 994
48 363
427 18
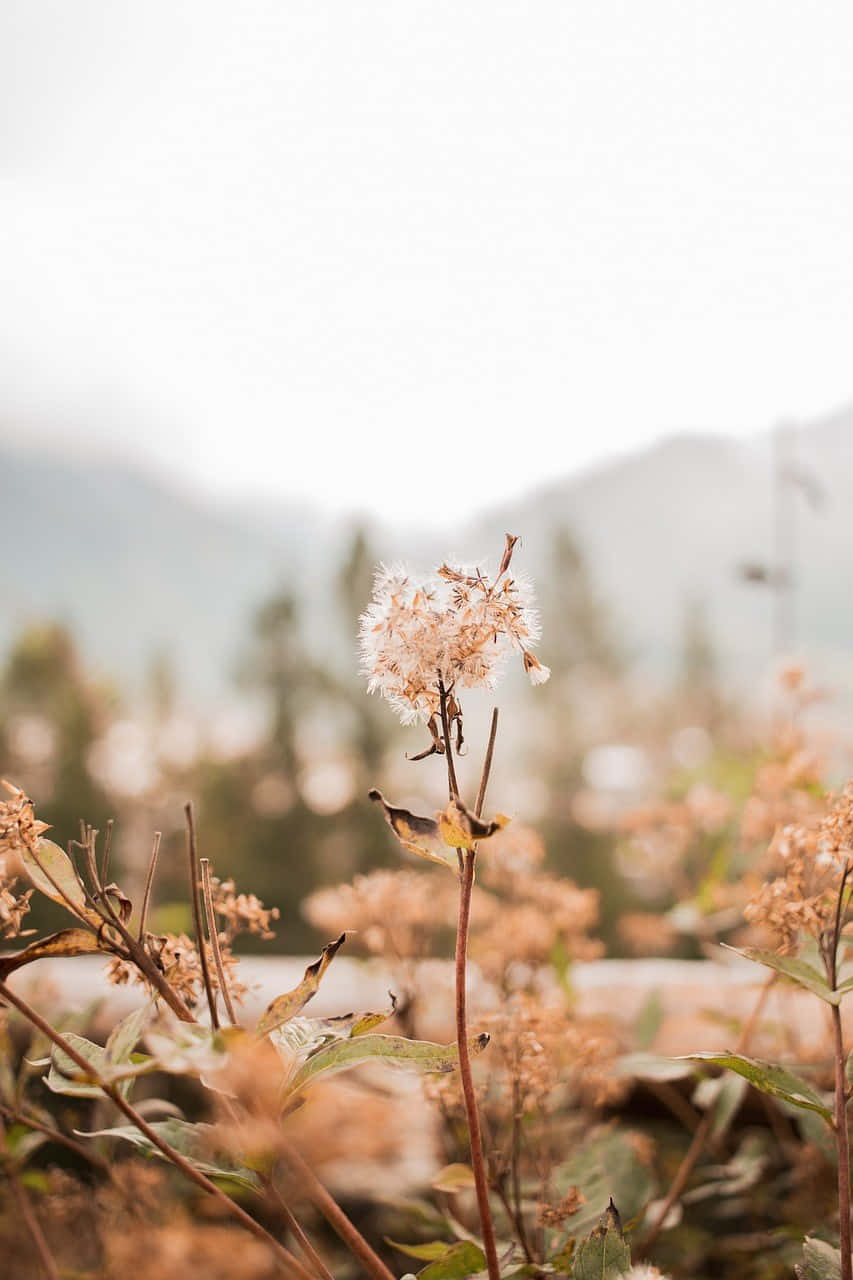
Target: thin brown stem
452 783
468 1092
518 1213
214 939
285 1257
108 842
701 1135
842 1144
336 1218
299 1235
842 1137
195 899
31 1222
149 885
487 764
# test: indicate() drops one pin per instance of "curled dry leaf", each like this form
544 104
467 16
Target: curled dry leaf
68 942
288 1005
456 827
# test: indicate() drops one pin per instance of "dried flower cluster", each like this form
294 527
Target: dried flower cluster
242 912
392 913
456 626
803 899
19 827
178 960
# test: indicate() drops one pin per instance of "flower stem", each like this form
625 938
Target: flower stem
467 858
473 1116
842 1144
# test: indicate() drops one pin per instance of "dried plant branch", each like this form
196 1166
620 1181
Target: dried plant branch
842 1137
149 885
108 844
31 1222
285 1258
195 899
702 1133
336 1218
214 939
298 1233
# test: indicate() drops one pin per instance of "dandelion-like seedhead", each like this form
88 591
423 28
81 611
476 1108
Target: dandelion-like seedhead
457 626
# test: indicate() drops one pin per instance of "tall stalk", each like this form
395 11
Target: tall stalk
467 859
842 1137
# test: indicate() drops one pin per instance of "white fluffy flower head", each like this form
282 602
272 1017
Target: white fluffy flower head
455 627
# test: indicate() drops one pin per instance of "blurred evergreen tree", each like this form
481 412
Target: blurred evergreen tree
588 667
42 684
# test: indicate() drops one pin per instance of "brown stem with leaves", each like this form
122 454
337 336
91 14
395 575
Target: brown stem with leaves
195 899
336 1218
285 1258
210 912
840 1127
701 1134
467 858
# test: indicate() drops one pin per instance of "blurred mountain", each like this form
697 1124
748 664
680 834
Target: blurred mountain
137 568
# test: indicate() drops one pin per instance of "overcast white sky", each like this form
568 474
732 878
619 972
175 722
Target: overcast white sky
385 254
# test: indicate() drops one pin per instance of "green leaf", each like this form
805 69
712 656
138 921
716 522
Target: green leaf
776 1081
648 1021
799 971
458 1263
342 1054
124 1036
426 1252
604 1254
723 1095
285 1007
820 1261
454 1177
66 1077
193 1141
53 874
649 1066
68 942
606 1166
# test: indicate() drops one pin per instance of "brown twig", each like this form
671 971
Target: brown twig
149 885
701 1135
467 859
195 899
285 1257
32 1224
297 1232
214 939
336 1218
842 1137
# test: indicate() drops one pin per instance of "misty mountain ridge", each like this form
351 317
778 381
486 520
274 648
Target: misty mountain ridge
136 568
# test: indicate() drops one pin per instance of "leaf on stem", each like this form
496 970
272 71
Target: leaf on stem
342 1054
53 874
285 1007
438 838
799 971
767 1077
193 1141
